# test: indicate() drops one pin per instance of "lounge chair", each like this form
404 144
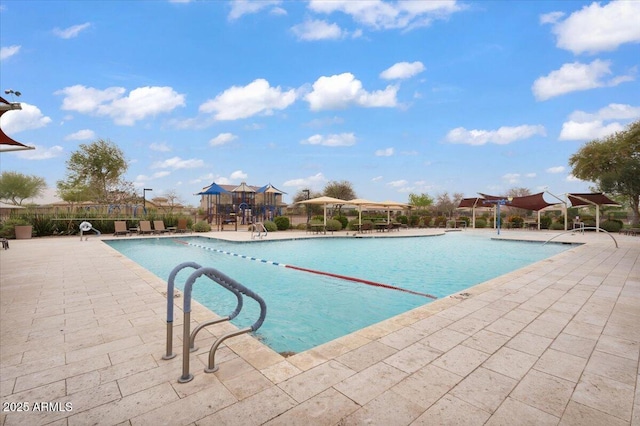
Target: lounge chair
158 227
120 228
144 227
182 226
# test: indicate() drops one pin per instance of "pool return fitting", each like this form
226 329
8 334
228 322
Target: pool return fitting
188 338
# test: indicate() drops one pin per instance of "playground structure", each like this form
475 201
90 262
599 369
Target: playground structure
240 205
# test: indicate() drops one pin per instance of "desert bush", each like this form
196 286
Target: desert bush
612 225
556 226
270 226
440 220
515 221
201 226
343 221
282 223
333 225
545 222
481 223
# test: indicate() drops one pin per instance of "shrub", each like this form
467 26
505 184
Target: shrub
545 222
556 226
466 219
403 219
343 221
414 220
270 226
282 223
440 220
8 227
333 225
515 221
481 223
201 226
612 225
301 226
353 225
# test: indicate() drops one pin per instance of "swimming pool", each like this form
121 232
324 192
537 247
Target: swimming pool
304 309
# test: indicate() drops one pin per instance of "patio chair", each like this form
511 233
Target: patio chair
120 228
145 227
182 226
158 227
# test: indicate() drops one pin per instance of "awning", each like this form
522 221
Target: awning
534 202
6 143
591 199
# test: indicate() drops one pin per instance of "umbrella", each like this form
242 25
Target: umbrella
389 205
361 202
324 201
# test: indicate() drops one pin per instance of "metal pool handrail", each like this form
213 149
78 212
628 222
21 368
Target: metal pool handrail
582 229
188 338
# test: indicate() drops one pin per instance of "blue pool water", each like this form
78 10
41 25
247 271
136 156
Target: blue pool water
304 309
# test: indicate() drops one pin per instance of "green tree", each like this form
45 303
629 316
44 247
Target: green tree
613 164
96 171
342 190
16 187
420 201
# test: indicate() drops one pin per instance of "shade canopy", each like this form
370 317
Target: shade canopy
325 201
270 189
6 143
534 202
213 189
243 187
591 199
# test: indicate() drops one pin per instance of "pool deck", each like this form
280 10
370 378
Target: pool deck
554 343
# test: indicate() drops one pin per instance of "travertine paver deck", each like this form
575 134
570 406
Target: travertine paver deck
558 342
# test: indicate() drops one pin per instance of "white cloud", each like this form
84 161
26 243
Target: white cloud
177 163
40 153
28 118
574 77
572 178
72 31
313 182
311 30
238 175
160 147
572 130
158 175
8 51
387 152
222 138
398 183
556 169
551 18
140 104
586 126
258 97
246 7
380 15
597 28
343 90
376 179
81 135
504 135
342 139
610 112
511 178
402 70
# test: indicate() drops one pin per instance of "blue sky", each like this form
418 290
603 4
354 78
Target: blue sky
393 96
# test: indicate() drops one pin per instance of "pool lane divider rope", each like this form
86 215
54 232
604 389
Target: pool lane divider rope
312 271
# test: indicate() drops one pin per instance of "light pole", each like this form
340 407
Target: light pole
144 198
307 192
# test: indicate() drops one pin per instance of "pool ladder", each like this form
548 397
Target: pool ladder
188 336
258 230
